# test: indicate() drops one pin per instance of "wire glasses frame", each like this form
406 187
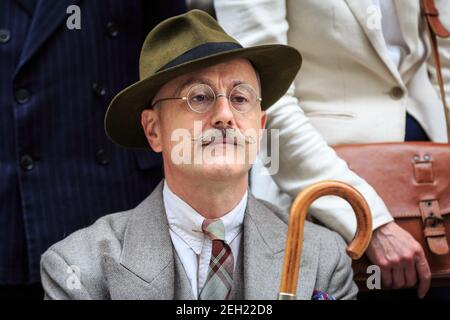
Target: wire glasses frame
201 98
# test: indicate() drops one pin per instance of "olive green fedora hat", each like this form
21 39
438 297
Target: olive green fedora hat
187 43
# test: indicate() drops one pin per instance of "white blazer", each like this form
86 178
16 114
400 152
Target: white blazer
348 91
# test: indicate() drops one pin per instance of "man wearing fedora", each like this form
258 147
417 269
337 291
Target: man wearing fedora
200 234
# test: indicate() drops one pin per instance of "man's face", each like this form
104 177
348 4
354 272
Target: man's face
218 143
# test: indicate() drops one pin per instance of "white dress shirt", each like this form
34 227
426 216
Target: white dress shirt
392 33
192 246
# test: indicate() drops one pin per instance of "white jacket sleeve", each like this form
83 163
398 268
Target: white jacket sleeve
305 157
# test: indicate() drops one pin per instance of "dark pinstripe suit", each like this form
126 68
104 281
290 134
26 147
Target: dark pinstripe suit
58 171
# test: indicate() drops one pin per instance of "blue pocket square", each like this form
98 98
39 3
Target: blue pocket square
319 295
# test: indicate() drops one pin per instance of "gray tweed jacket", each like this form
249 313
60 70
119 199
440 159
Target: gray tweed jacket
129 255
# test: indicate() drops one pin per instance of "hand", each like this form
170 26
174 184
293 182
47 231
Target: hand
400 258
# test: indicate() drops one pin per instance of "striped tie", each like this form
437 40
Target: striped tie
220 272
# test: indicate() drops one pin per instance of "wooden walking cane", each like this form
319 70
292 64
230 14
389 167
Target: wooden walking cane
299 210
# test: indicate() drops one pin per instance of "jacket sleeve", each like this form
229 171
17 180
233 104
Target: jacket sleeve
305 157
341 285
444 53
61 281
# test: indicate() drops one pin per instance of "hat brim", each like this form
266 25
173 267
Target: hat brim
277 66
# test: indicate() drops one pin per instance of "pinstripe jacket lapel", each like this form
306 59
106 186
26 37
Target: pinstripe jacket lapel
28 5
48 15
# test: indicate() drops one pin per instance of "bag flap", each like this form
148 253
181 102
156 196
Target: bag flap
403 174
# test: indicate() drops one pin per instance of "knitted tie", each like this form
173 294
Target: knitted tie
220 272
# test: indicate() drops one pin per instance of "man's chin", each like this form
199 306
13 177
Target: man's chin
223 168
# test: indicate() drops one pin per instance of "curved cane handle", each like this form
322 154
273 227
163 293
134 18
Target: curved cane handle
299 210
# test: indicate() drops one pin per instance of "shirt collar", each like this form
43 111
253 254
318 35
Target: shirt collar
187 223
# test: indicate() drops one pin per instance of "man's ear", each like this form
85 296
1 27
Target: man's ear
151 124
263 119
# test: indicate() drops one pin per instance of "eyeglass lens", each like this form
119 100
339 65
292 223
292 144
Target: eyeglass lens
201 98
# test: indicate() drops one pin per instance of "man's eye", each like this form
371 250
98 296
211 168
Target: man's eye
199 98
239 99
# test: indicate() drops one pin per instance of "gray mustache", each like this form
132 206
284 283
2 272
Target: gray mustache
210 135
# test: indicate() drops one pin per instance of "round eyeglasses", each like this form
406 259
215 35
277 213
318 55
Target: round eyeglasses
201 98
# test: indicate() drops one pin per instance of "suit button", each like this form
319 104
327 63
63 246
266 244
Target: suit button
112 29
397 93
102 157
98 90
27 163
22 96
5 35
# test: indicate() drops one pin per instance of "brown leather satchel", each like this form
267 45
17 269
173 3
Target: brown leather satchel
413 179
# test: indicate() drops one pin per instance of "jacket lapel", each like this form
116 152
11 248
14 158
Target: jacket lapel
237 291
27 5
146 266
375 35
47 16
264 244
183 288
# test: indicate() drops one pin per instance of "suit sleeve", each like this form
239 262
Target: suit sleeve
61 281
305 157
444 53
341 284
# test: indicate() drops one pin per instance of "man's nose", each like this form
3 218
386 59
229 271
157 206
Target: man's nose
222 112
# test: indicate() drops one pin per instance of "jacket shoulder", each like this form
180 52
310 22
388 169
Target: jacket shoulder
83 256
79 259
107 232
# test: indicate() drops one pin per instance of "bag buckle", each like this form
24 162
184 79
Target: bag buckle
434 229
434 220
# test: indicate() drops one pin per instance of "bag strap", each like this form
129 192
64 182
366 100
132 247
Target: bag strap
436 29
